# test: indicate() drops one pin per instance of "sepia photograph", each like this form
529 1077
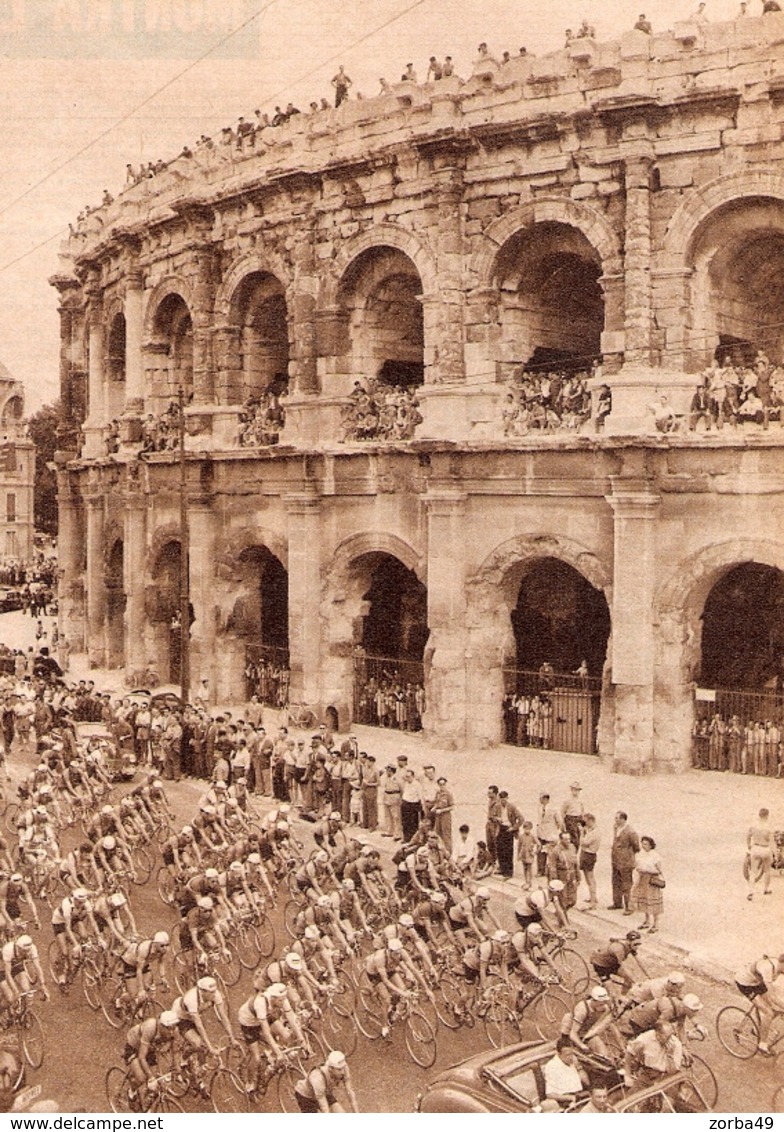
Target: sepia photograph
392 557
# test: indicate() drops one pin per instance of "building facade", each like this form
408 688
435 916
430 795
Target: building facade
442 354
17 475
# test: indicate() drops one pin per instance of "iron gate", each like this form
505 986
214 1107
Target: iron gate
556 711
267 674
738 730
389 692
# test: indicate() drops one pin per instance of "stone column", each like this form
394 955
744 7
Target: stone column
446 650
70 560
202 314
635 504
136 657
96 417
637 260
304 531
224 680
134 367
444 357
96 581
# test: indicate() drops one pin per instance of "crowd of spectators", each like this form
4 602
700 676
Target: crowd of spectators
380 412
267 682
737 394
546 402
161 433
389 700
753 747
261 420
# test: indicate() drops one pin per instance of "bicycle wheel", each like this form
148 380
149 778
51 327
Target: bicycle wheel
501 1025
163 1101
287 1078
92 983
265 933
118 1081
164 882
290 912
738 1031
184 975
142 865
339 1030
344 998
246 944
449 1000
11 815
231 968
58 966
53 890
420 1039
368 1017
227 1092
546 1013
113 1012
572 970
31 1033
704 1078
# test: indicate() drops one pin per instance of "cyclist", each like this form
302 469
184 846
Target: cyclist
268 1015
114 917
668 1008
235 889
111 859
588 1020
367 875
348 910
318 951
13 891
189 1008
292 971
201 931
328 833
431 920
76 868
258 881
143 958
21 969
180 852
39 839
316 1091
471 916
143 1043
477 959
313 875
73 923
106 824
529 954
386 970
322 915
206 829
416 873
612 961
754 982
416 947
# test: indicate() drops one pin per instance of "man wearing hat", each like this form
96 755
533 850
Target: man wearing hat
316 1091
573 812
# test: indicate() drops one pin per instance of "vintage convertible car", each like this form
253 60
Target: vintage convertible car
511 1080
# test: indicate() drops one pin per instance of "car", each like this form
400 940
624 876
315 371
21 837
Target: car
512 1080
10 600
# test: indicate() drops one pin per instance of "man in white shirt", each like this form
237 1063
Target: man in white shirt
563 1079
464 852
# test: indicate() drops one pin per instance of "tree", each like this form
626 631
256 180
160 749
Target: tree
42 427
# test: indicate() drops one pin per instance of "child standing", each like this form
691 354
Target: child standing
526 852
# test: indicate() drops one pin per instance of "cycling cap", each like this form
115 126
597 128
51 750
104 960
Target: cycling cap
336 1059
293 961
17 878
336 816
406 920
237 867
599 994
367 850
254 859
501 936
556 886
321 857
211 874
285 808
80 894
220 786
206 903
207 984
276 990
282 827
423 853
168 1018
109 843
348 884
676 979
25 942
208 809
324 902
107 810
394 944
690 1001
483 893
438 897
162 938
535 929
186 832
157 784
312 932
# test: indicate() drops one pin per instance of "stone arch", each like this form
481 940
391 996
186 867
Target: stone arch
170 532
560 210
249 263
169 285
112 532
677 609
381 235
230 548
491 595
371 542
12 409
697 208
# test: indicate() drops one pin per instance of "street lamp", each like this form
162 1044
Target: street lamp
185 617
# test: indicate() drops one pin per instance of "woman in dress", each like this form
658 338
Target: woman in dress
443 804
647 894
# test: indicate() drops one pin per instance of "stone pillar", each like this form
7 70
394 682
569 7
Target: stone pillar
134 367
445 653
134 539
224 680
70 560
444 357
96 581
637 260
635 505
96 418
304 531
202 314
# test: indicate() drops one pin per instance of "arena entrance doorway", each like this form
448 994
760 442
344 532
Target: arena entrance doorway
389 681
739 706
552 693
261 616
